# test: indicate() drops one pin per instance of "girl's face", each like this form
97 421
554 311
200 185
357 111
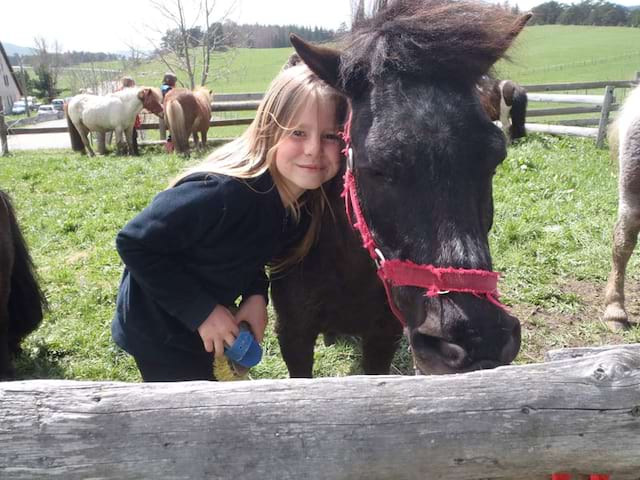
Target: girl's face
309 155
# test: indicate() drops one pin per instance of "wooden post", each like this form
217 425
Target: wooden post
604 116
163 129
3 132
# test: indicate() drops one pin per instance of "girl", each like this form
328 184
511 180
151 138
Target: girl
204 243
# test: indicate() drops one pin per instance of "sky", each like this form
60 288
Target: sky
114 25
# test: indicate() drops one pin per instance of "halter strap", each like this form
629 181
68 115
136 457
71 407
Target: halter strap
435 280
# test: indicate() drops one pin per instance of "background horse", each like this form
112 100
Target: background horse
506 101
21 300
624 138
114 112
422 157
186 113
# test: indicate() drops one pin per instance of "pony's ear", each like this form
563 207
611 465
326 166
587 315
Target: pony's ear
519 25
325 62
144 92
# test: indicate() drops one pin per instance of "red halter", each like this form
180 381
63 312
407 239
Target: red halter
436 281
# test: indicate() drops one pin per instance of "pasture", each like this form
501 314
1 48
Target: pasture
542 54
555 202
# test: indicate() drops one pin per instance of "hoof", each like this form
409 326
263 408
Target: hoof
617 325
615 317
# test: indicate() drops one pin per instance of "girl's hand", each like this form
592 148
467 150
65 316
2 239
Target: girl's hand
219 328
253 310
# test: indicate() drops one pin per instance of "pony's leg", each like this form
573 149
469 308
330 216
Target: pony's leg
84 134
378 349
505 120
203 139
129 137
6 367
625 236
297 352
121 144
196 145
102 142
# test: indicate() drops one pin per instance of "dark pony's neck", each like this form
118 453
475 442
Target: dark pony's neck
444 39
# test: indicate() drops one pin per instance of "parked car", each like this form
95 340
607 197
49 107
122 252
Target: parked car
58 103
46 110
18 108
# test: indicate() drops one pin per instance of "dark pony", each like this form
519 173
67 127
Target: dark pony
506 101
21 300
424 154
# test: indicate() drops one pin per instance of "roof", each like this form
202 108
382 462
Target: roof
13 74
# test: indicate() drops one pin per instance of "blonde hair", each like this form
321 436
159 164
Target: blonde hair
253 153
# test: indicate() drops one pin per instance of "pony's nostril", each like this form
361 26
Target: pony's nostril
449 353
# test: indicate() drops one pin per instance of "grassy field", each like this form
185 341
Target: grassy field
542 54
555 206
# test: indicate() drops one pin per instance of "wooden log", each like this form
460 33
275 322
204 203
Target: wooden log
546 112
579 352
562 130
556 87
4 143
604 116
566 98
518 422
234 106
236 97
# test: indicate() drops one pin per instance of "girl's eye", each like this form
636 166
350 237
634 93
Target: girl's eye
297 133
332 137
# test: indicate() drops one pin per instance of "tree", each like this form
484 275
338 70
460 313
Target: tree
47 66
190 42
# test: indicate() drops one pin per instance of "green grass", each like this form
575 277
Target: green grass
555 203
567 53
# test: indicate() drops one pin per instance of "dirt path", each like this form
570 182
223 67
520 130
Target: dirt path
41 140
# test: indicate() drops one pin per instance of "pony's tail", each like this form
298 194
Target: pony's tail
76 141
179 134
518 113
26 299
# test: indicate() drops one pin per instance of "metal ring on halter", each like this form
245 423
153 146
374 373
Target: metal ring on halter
443 292
350 158
380 260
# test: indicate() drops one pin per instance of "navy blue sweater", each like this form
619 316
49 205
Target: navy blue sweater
201 243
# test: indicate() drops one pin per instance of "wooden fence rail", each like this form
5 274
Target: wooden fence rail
519 422
602 104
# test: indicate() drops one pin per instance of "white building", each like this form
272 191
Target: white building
10 90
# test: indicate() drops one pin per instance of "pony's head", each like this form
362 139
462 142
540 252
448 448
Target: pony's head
424 155
151 99
205 93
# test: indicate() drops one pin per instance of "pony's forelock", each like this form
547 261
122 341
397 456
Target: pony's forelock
459 39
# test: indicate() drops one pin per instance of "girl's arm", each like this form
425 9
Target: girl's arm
154 243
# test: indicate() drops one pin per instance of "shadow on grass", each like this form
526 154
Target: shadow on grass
39 362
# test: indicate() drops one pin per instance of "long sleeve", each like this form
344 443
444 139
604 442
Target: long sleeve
153 247
259 286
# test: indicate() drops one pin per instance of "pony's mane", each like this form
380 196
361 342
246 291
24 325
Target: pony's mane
455 39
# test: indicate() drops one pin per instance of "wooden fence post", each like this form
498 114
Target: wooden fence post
163 129
604 116
3 132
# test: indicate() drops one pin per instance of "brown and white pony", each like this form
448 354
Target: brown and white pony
506 101
188 113
624 139
105 113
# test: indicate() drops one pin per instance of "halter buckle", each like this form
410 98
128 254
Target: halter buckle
350 158
380 260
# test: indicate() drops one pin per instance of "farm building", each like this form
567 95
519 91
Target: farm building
10 89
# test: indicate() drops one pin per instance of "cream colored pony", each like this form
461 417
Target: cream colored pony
624 137
114 112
